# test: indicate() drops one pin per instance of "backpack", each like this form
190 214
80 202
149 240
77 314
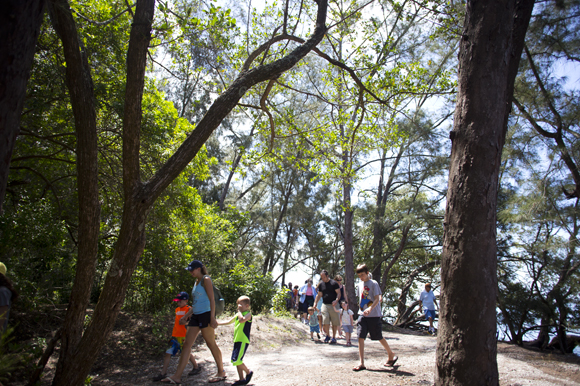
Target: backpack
220 303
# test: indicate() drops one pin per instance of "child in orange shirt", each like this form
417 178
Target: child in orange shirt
178 337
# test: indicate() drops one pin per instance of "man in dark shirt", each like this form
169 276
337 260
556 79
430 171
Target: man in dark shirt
330 292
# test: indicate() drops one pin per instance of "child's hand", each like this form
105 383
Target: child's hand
183 321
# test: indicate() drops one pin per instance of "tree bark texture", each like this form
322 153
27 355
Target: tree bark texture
20 22
80 86
349 267
139 197
80 350
490 51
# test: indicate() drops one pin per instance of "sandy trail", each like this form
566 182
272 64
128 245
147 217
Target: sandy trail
281 353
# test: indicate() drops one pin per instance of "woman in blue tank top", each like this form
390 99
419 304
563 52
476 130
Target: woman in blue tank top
200 317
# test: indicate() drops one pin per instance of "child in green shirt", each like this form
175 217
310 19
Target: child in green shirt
242 326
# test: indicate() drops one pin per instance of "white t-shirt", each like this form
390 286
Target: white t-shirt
345 316
428 299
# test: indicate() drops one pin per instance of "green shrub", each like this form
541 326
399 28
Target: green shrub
249 281
279 302
10 358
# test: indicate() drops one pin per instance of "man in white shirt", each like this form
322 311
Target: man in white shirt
428 302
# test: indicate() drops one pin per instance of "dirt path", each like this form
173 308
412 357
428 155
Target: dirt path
281 353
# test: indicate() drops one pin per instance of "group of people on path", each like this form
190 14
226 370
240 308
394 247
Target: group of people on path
369 322
318 306
325 305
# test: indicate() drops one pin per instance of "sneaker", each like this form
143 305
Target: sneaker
159 377
333 341
318 335
327 339
249 376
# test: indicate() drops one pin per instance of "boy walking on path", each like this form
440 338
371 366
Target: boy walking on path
428 302
178 337
242 327
369 322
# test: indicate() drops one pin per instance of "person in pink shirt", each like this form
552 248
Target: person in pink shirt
307 294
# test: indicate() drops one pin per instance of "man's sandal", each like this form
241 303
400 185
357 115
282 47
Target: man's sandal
391 363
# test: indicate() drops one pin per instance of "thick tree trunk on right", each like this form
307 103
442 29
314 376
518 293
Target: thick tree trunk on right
491 47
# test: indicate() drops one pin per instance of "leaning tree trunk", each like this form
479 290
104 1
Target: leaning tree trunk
20 22
491 47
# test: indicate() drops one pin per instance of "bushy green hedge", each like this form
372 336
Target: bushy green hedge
249 281
279 303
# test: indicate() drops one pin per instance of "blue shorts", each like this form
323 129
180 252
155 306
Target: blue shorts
315 329
347 328
176 344
238 353
429 313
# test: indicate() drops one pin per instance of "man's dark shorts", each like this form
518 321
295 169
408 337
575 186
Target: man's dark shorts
201 320
369 326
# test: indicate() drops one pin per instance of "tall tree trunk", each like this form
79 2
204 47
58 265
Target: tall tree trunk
490 52
80 86
79 350
349 267
20 22
349 254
